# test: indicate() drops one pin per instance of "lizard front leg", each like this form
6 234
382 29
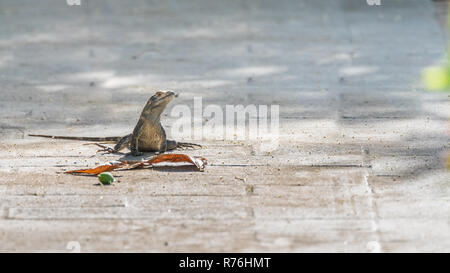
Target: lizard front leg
135 148
120 144
123 142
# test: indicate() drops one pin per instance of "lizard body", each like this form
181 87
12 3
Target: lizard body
148 134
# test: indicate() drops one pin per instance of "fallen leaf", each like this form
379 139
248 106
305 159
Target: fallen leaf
198 162
100 169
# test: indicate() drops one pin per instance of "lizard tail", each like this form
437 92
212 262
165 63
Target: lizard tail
79 138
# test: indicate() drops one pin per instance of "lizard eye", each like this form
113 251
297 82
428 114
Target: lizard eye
159 93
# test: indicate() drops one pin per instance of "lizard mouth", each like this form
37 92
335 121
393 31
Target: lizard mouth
165 98
169 94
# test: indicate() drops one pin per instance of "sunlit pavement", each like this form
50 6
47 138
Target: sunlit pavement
359 158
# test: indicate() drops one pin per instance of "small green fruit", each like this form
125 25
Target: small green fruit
106 178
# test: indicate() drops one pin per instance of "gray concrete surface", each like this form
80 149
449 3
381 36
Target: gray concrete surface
362 144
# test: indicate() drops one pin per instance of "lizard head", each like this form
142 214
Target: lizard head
158 102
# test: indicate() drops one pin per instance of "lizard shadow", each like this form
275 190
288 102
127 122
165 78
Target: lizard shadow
173 169
130 157
164 168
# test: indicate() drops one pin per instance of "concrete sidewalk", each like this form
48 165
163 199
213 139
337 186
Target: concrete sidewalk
360 161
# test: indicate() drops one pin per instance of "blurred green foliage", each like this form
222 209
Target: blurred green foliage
437 78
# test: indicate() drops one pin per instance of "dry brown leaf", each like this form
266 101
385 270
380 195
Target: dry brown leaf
199 162
99 169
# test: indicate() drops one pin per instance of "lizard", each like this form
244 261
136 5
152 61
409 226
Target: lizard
148 134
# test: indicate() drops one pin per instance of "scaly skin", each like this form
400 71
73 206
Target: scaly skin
148 134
